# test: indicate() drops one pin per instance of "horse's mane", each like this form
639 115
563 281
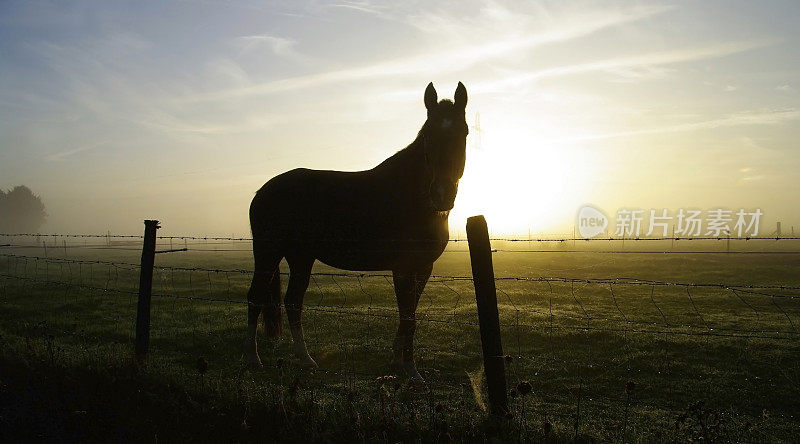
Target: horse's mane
408 150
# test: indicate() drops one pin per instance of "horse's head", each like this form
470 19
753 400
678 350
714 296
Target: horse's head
444 137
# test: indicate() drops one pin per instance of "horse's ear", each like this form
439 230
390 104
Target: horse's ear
461 96
431 99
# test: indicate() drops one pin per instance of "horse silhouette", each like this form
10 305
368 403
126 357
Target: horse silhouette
392 217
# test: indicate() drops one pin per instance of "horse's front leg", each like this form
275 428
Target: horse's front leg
408 286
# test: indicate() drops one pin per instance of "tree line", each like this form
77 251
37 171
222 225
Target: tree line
21 211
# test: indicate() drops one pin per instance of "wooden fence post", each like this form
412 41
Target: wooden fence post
480 255
145 289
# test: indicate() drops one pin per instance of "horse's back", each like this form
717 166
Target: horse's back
350 220
309 202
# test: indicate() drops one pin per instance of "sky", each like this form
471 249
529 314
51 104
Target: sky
115 112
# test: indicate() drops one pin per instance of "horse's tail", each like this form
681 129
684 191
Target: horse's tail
265 291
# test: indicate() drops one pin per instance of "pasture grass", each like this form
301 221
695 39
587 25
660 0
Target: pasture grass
616 362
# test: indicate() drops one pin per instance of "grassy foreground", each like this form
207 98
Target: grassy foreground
616 362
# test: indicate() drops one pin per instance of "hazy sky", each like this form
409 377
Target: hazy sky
119 111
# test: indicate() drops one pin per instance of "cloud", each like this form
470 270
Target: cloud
61 155
629 67
768 117
361 6
749 175
280 46
636 73
786 89
621 64
748 179
247 123
453 60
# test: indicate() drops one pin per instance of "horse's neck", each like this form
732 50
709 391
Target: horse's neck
402 162
399 176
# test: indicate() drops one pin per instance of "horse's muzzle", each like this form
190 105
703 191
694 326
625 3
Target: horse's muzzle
443 195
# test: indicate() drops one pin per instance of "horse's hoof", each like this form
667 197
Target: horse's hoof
308 362
416 382
255 363
407 369
414 377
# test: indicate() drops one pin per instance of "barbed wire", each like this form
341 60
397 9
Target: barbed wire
497 239
443 279
391 314
446 278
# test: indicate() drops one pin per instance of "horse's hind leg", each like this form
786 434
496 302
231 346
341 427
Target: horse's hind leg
299 275
263 297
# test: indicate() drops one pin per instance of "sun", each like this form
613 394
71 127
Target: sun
519 184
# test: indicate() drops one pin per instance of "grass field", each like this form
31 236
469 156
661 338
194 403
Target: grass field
605 360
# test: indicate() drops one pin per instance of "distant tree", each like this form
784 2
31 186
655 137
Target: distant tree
21 211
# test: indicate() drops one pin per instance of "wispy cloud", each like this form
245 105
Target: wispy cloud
452 60
622 64
281 46
630 67
768 117
63 155
361 6
750 179
253 122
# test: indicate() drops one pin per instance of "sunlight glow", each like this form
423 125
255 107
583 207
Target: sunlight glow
518 181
